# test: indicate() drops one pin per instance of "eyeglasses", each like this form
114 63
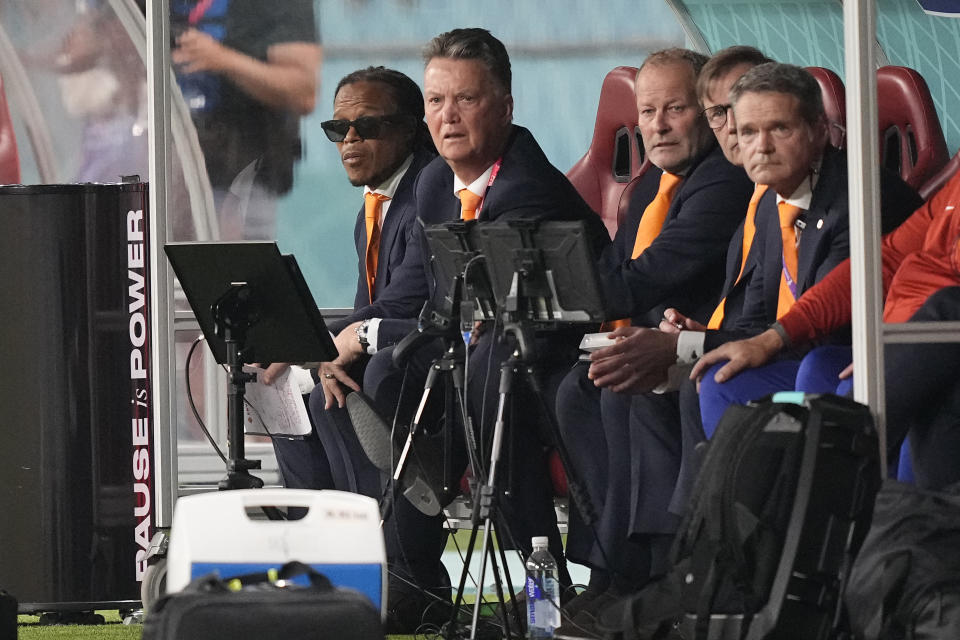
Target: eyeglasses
367 127
716 115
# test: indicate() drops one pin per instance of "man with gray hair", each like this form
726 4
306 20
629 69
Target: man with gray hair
802 224
780 136
669 252
489 169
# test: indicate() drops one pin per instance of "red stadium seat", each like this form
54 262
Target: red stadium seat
9 159
911 140
615 154
937 180
834 103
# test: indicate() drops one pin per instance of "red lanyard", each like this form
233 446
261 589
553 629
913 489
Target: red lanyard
198 11
493 176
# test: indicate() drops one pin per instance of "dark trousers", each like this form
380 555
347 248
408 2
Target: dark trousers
303 461
414 541
923 397
922 392
324 458
581 428
622 447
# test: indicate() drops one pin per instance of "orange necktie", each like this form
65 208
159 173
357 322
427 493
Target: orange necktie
649 229
372 210
749 228
655 213
469 203
788 216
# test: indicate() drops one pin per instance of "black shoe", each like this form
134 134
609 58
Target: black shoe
422 479
410 608
599 582
580 601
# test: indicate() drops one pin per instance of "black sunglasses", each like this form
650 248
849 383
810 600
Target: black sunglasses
367 127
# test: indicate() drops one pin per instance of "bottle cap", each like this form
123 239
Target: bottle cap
540 541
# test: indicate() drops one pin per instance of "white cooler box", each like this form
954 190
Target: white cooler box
340 537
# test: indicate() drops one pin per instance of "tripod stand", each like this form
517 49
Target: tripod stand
537 274
234 313
448 370
485 501
252 304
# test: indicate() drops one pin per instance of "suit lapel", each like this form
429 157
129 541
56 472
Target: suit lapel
820 219
360 239
388 236
680 194
399 211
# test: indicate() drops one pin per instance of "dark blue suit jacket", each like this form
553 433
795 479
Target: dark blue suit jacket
399 289
683 267
824 243
527 186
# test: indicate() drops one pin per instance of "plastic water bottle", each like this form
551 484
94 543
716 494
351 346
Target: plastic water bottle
543 591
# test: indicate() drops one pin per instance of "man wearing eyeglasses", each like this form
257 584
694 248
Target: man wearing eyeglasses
781 137
663 256
383 144
802 229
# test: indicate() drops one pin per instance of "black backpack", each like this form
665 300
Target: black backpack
905 583
780 507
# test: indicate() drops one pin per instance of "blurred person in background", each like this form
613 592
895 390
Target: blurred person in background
248 71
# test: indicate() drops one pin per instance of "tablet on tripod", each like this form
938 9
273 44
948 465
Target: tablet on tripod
286 327
454 258
253 305
543 271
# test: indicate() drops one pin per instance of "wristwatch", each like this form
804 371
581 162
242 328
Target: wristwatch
361 331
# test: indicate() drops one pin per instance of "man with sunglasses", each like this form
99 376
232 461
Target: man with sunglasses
383 144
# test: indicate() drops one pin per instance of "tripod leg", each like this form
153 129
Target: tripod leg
498 585
390 493
468 433
512 595
458 601
506 384
578 494
476 507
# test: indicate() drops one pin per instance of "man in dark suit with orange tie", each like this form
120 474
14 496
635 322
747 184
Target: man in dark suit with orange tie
802 222
489 169
669 252
383 144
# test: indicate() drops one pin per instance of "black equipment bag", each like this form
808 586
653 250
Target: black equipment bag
259 606
905 583
781 506
8 616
